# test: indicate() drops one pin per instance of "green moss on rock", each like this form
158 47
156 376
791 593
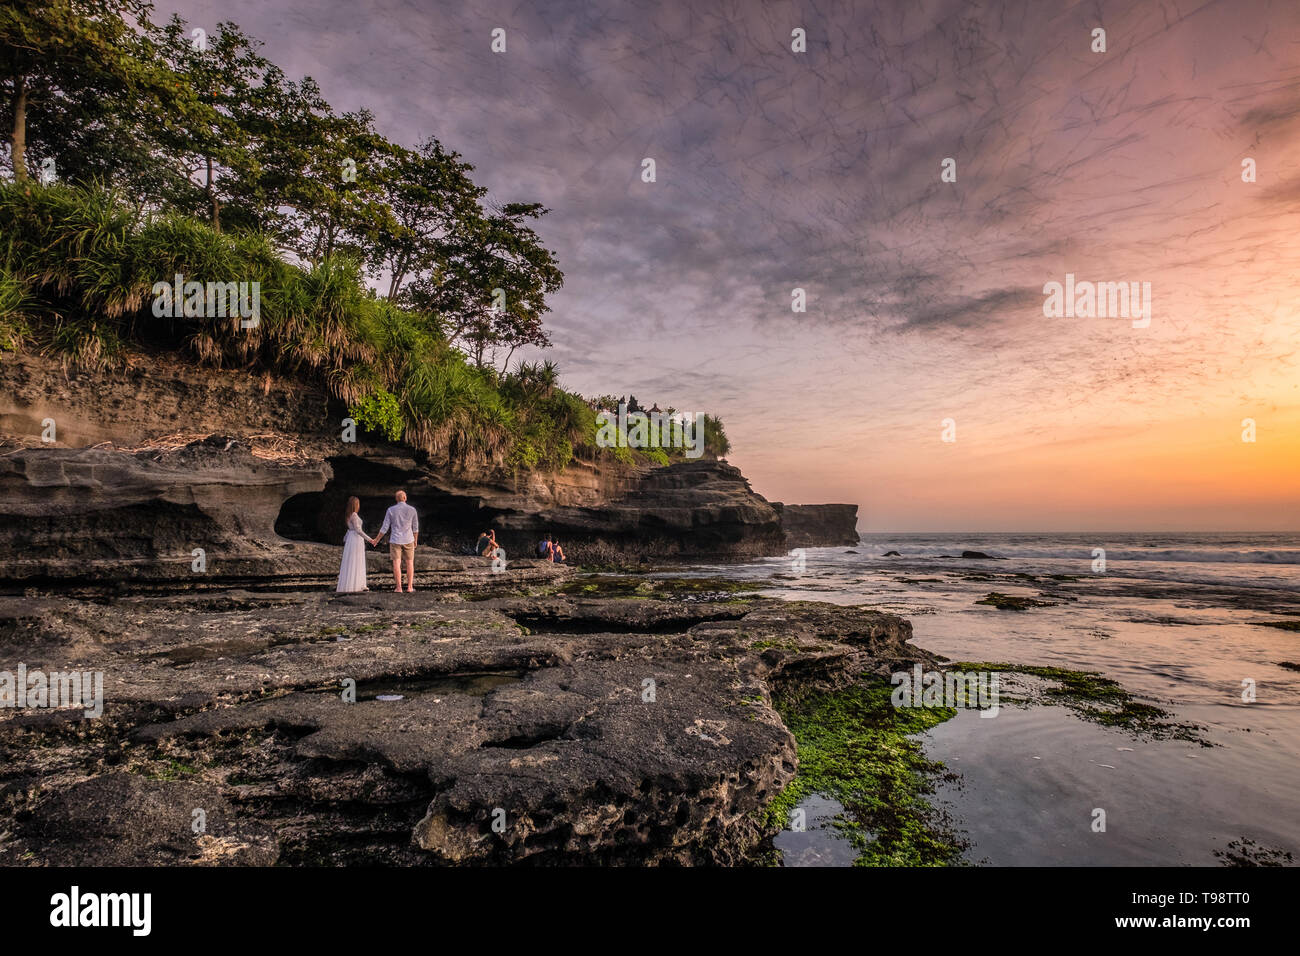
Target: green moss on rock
1098 699
855 747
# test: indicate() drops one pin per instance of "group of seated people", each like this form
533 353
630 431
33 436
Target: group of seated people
550 550
547 548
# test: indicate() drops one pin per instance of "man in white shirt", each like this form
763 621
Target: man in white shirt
404 524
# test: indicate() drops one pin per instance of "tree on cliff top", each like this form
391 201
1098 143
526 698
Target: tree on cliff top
63 61
208 150
204 125
488 284
431 195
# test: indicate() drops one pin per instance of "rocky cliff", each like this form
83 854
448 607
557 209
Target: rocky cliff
125 475
811 526
203 511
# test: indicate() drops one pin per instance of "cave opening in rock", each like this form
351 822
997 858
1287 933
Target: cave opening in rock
446 520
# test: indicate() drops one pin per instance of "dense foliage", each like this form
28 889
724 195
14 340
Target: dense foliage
142 151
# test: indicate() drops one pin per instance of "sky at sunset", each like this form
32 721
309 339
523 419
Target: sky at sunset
821 171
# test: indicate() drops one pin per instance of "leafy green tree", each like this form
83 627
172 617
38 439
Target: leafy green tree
63 65
431 196
490 285
319 183
210 140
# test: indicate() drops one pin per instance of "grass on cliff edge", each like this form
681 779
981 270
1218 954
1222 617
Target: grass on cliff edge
854 746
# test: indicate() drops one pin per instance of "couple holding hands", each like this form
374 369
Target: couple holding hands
401 523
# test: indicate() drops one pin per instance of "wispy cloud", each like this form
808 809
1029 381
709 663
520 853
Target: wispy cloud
821 171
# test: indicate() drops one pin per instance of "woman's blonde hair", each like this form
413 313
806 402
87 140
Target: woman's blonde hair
354 505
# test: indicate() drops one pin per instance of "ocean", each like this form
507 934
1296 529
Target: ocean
1180 620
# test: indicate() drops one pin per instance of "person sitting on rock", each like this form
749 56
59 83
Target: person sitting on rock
557 553
487 544
545 549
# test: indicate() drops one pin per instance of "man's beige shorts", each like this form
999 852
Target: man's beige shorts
402 551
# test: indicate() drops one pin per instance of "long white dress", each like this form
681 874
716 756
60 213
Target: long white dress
352 573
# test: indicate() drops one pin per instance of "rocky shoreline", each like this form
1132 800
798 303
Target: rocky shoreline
174 532
578 720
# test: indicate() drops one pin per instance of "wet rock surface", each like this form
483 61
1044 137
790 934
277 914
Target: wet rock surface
542 728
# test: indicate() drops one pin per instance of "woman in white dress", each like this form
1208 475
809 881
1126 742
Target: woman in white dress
352 573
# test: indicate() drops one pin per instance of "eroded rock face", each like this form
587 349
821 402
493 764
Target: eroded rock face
688 509
89 514
815 526
618 731
153 396
107 514
98 517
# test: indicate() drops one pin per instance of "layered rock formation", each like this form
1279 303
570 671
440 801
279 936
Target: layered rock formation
201 512
243 466
812 526
690 508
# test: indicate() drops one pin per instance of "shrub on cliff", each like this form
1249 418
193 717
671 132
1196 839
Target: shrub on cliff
379 413
715 437
14 303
